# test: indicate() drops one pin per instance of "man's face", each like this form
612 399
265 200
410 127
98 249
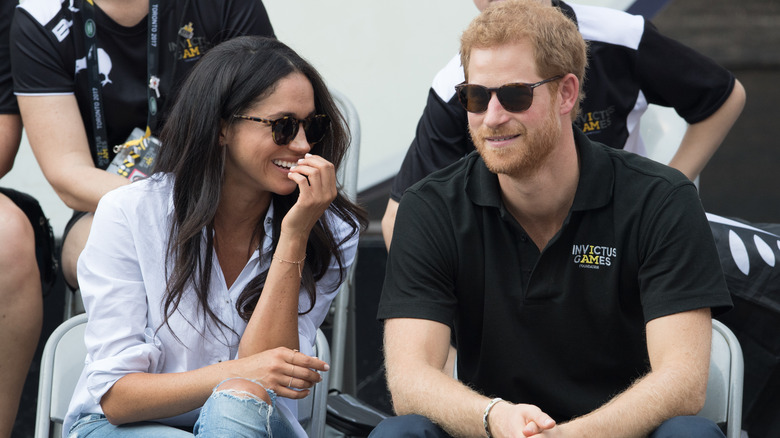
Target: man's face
510 143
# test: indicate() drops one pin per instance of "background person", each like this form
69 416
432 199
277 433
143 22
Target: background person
22 278
55 95
577 279
630 65
218 269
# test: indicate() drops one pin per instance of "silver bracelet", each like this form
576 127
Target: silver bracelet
486 413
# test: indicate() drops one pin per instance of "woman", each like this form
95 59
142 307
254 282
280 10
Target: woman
215 272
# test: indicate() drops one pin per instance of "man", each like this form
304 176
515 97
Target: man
630 65
577 279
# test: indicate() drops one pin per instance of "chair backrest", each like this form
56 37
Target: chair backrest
724 387
342 374
348 173
61 365
312 410
63 361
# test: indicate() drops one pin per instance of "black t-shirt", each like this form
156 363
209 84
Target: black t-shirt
630 64
7 98
48 59
562 328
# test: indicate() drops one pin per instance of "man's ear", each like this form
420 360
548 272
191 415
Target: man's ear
569 91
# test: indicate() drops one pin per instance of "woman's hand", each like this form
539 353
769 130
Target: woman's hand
289 373
316 179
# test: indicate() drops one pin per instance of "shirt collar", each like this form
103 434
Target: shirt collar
594 189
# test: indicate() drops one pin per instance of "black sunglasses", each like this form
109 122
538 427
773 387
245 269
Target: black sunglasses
516 97
284 130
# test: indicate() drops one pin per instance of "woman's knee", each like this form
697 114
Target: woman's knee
244 388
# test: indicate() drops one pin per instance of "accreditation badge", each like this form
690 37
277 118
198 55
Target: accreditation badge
135 158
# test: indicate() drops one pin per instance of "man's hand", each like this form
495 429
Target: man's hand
507 420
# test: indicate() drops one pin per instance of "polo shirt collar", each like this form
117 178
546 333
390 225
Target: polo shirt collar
594 189
597 176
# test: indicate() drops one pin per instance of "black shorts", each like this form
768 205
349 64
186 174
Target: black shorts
44 237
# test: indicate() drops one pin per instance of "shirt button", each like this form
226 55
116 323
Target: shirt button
523 238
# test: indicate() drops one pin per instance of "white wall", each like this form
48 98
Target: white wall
381 54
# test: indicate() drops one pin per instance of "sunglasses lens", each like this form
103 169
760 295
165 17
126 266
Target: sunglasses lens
474 98
515 97
284 130
316 128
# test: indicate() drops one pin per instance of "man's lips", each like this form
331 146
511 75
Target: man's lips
502 138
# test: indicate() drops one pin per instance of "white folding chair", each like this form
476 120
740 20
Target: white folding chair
317 402
63 361
61 366
724 387
343 309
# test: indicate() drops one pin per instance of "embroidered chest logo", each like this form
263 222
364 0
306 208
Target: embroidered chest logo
593 256
191 46
595 121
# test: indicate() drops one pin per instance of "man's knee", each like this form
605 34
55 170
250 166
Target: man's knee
408 426
688 426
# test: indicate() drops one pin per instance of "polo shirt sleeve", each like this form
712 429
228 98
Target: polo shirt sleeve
679 267
37 65
7 99
674 75
421 265
442 138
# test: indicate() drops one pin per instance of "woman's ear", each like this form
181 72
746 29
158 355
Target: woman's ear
223 133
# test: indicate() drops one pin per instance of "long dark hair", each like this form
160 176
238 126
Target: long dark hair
228 80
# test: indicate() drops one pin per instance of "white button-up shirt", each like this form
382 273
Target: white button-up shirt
122 280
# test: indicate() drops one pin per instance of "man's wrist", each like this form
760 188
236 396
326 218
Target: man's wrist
486 415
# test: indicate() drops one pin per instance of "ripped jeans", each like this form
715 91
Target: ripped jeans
226 413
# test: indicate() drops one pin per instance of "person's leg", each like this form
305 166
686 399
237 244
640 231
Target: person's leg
242 408
688 426
408 426
97 426
74 241
21 308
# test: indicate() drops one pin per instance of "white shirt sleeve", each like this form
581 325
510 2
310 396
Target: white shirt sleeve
117 338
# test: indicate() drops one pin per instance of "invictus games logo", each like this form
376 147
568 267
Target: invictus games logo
595 121
593 256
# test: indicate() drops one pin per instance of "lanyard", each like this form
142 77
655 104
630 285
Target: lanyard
93 75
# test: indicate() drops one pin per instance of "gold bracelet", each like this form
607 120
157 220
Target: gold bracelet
299 263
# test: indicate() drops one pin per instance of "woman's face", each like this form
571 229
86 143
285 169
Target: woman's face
254 163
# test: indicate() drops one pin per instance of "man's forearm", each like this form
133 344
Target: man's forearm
679 352
639 410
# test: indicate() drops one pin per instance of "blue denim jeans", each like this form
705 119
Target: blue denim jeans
226 414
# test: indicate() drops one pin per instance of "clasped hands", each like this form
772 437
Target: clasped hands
509 420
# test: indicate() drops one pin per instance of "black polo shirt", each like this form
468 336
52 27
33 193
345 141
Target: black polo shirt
562 329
